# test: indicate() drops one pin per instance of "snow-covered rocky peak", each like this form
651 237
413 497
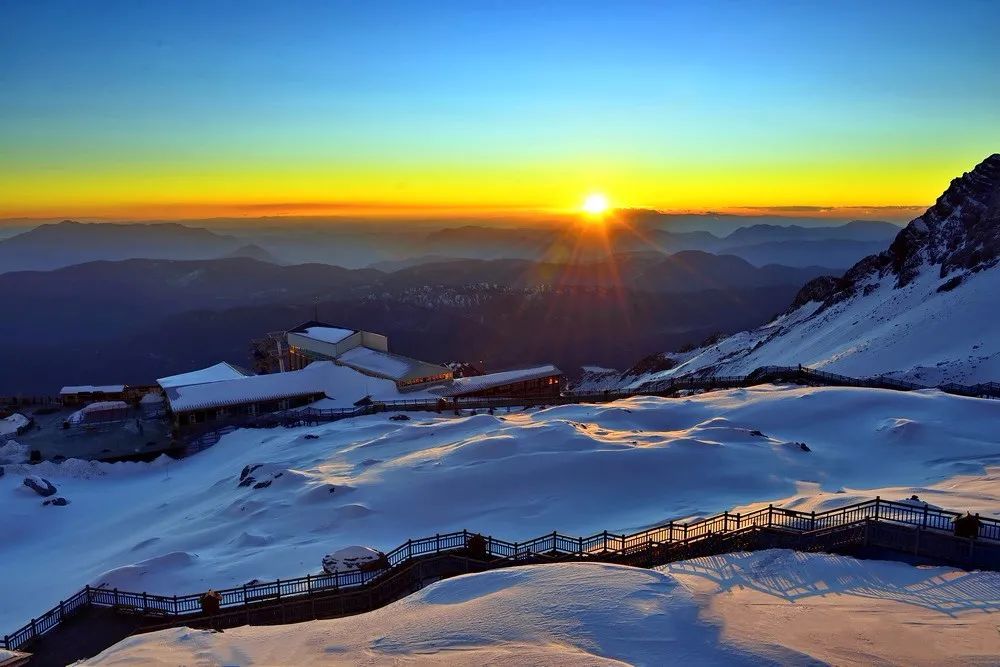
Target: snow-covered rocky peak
958 235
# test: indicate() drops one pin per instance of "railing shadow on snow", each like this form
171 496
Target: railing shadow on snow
963 592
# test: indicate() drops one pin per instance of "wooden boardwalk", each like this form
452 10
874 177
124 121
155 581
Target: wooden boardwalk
96 618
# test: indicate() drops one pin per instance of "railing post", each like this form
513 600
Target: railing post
116 597
737 521
309 587
176 612
437 543
770 513
34 630
145 602
62 611
409 549
605 540
278 582
554 533
581 546
878 501
87 593
725 521
925 516
812 521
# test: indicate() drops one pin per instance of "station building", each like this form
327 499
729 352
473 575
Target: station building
331 367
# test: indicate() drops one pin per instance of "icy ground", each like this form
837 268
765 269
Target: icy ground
766 608
179 527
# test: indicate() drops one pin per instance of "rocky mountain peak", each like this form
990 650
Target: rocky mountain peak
959 234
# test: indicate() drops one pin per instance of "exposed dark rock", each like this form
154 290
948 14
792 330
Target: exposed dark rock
400 418
818 289
804 447
950 284
310 436
262 485
58 501
247 481
654 363
42 487
247 469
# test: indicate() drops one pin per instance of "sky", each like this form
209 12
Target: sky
218 107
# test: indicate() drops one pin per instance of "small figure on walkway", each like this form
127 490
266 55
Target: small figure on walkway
210 602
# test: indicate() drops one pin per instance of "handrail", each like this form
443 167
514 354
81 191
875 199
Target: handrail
554 543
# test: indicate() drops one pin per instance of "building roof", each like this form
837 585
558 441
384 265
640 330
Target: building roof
323 332
468 385
393 366
91 389
217 373
312 379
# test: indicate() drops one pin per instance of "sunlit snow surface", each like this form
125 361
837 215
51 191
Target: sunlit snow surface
766 608
184 526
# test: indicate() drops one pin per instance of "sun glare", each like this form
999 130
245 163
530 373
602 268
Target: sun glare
595 204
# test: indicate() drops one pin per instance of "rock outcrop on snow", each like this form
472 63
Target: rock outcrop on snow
39 485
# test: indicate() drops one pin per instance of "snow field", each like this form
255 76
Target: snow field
174 527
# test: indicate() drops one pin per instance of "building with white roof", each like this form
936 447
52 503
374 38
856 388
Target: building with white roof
536 382
77 394
364 351
337 367
217 373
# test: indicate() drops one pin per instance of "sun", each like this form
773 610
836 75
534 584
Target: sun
595 204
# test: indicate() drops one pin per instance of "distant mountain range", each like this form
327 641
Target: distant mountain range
391 246
66 243
131 320
923 309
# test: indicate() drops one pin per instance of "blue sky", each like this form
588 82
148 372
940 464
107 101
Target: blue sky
96 94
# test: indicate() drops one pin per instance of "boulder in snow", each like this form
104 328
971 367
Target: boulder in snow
42 487
354 559
58 501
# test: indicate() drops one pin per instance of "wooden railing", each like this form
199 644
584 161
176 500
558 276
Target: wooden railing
669 541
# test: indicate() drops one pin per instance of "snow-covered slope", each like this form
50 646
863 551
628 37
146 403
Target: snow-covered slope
767 608
183 526
923 310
